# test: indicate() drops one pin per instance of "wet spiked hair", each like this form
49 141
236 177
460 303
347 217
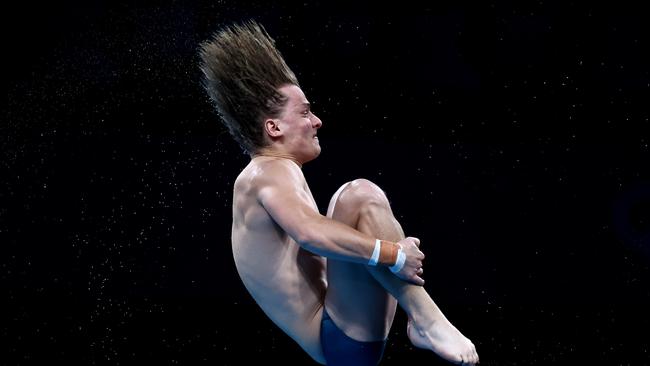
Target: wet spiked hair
242 71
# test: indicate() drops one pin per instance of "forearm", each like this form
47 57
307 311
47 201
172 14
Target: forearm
332 239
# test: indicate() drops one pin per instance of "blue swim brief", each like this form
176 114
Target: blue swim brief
341 350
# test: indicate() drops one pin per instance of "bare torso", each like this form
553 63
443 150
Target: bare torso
286 281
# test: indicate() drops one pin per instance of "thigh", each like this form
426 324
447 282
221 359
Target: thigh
355 301
341 350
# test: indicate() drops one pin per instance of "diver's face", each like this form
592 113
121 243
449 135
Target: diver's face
299 125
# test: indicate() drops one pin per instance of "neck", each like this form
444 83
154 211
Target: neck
275 154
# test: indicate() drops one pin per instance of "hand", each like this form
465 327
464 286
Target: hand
412 269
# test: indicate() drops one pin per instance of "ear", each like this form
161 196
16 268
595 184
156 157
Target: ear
272 127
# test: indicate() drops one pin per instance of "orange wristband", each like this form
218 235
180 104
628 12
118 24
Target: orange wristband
388 252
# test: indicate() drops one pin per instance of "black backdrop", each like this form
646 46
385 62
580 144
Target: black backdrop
512 139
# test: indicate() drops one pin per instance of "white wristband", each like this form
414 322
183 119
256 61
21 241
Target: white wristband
375 254
399 263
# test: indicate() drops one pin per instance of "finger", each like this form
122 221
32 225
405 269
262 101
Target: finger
416 241
418 280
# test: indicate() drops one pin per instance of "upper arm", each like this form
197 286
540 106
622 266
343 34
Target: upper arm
280 191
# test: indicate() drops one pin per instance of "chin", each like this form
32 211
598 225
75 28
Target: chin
311 157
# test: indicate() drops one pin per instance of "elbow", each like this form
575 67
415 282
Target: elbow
308 236
305 239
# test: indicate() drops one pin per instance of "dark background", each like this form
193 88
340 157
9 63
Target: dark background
511 138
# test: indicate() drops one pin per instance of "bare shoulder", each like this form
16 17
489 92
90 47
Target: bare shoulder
262 177
266 182
262 172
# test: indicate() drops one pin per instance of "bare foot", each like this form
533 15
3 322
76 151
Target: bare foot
445 340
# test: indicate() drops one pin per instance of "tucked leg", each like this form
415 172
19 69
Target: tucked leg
359 304
361 300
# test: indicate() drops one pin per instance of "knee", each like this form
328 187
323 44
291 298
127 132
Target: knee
362 193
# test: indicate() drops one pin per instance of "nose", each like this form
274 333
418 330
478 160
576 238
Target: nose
316 122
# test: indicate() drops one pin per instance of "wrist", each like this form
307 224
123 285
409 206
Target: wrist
386 253
389 252
374 259
399 263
